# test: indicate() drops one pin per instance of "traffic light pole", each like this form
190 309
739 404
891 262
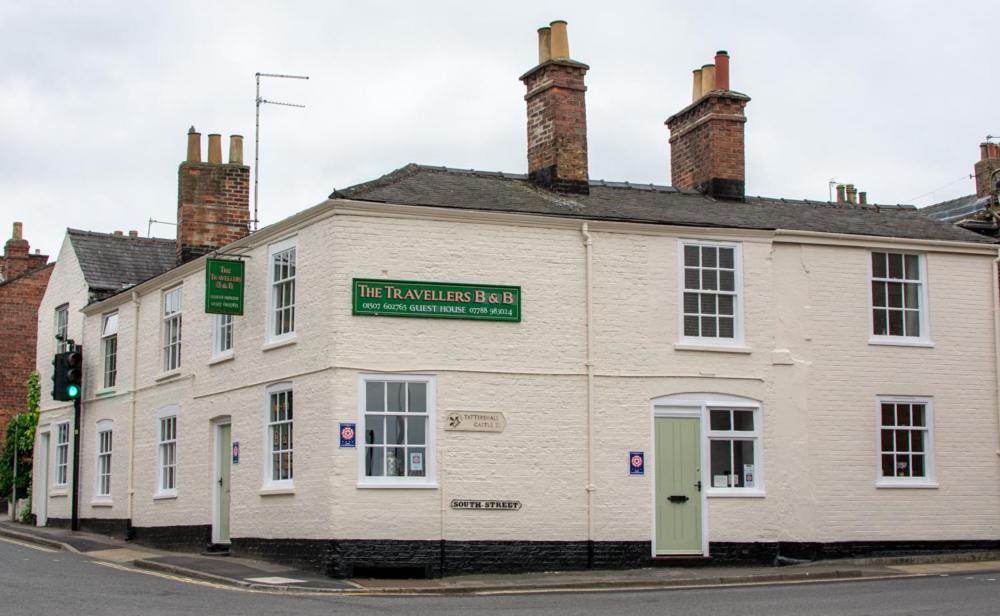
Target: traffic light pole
75 497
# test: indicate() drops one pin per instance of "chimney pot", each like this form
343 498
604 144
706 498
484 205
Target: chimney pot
721 70
194 146
18 231
235 149
544 44
841 194
133 234
863 198
696 86
560 40
707 79
119 234
851 193
215 149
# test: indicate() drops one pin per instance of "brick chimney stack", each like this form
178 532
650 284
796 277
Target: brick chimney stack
989 162
213 198
16 256
557 115
707 150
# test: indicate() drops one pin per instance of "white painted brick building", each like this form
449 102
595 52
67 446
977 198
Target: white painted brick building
745 332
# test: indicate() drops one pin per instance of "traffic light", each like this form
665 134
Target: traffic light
74 373
67 374
59 377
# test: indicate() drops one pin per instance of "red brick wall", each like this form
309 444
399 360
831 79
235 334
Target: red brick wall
707 150
19 300
213 207
557 126
988 163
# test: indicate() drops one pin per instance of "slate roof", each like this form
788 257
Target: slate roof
420 185
111 263
956 209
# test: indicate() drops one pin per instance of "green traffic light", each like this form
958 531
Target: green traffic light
73 391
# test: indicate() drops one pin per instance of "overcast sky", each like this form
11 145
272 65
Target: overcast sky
96 97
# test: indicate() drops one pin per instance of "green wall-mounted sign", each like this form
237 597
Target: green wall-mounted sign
224 282
440 300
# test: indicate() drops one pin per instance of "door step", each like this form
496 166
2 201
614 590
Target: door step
216 549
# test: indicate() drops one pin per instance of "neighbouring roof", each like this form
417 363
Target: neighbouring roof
421 185
111 263
954 210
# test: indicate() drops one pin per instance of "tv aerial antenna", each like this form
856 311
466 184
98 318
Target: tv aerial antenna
256 132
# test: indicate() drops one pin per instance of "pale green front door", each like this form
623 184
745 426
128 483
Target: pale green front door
224 446
678 485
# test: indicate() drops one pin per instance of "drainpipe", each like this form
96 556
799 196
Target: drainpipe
588 244
996 332
132 403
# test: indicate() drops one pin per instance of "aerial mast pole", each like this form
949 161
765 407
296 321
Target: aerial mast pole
256 133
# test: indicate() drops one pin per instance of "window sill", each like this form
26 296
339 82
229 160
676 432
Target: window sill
396 485
918 485
221 359
715 348
61 493
165 496
102 503
277 344
736 493
107 391
166 376
277 491
901 341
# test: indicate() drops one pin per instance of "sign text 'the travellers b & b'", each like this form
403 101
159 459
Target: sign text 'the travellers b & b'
442 300
224 286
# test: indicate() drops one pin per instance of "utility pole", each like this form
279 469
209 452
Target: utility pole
256 133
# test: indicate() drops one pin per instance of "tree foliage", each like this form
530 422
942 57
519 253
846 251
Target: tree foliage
20 437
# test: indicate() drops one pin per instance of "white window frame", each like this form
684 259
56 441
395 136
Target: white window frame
103 459
172 350
163 445
269 483
272 290
222 333
929 480
924 339
109 350
738 296
429 480
61 327
61 467
755 436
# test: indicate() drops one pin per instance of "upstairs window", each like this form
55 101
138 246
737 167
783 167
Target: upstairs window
62 328
898 296
109 342
282 284
172 302
710 289
222 335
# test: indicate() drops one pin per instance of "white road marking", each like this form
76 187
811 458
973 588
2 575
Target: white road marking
274 580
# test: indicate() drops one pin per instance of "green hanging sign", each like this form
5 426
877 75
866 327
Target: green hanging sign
439 300
224 282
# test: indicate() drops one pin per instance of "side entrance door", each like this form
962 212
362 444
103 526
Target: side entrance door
678 486
223 461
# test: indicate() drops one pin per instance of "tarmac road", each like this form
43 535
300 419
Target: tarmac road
38 581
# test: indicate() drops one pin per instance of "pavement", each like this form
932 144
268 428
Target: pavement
259 575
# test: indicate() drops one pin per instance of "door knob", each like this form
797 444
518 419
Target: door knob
220 481
698 485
